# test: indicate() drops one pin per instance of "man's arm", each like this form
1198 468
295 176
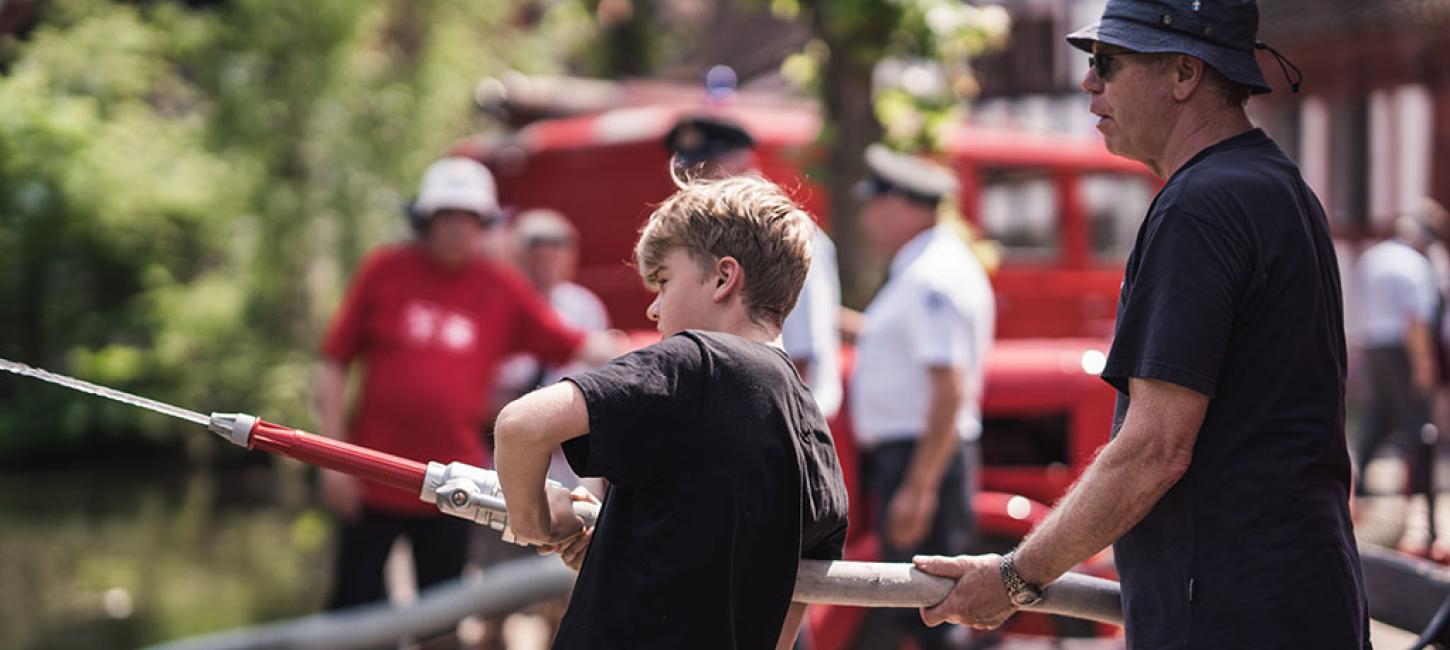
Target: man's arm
332 398
1421 348
1151 453
526 434
915 502
341 493
1121 486
600 348
792 627
850 323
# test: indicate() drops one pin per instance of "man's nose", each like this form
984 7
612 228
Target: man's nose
1091 84
653 312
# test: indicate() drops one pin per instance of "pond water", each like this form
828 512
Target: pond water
125 558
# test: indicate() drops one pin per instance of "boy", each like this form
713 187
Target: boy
722 472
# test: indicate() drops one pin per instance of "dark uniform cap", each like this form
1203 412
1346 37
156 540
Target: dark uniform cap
695 140
1223 33
914 177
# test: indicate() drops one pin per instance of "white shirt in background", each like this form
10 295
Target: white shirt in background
811 333
1396 286
936 309
579 308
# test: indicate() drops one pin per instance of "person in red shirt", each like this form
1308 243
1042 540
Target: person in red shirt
429 320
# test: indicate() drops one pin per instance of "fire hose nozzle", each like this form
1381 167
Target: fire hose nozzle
466 492
474 493
236 428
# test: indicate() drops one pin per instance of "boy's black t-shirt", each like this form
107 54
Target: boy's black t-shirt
723 475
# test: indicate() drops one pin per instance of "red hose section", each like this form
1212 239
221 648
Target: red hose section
364 463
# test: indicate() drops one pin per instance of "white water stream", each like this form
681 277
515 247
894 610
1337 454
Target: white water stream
108 393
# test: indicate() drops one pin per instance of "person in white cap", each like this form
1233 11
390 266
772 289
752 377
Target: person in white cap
546 248
430 319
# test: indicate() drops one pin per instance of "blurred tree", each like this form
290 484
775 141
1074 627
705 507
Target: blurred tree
109 201
630 40
919 52
184 189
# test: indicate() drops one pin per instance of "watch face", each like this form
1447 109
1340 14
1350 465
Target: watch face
1024 598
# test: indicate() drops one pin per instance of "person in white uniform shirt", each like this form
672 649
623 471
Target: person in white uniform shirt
1399 305
811 334
917 387
546 247
715 147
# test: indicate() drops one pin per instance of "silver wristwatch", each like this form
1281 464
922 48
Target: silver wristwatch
1019 591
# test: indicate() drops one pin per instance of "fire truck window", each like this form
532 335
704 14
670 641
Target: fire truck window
1019 210
1027 439
1116 204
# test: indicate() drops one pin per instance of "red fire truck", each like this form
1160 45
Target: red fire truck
1063 209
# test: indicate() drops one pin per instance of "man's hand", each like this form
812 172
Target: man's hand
600 348
1424 380
979 599
910 514
342 494
561 524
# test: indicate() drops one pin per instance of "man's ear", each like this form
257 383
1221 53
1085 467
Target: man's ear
729 278
1187 76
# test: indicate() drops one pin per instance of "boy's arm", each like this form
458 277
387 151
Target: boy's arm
792 627
526 434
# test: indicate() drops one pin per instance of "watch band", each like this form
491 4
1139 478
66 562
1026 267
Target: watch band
1021 592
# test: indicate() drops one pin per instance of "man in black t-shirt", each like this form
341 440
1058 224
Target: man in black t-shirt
722 472
1226 486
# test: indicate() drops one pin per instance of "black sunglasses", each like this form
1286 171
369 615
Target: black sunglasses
1100 62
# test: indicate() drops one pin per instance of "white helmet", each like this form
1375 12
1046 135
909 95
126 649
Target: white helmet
458 183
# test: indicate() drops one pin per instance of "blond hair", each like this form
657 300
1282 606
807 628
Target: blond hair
744 217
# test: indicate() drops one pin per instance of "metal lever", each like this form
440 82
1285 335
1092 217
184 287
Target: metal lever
473 493
463 498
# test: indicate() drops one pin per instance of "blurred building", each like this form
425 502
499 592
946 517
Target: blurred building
1370 127
1372 122
1033 83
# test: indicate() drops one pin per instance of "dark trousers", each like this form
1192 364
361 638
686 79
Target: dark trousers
440 546
1396 410
953 532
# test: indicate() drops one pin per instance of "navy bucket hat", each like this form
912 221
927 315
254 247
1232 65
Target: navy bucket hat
1223 33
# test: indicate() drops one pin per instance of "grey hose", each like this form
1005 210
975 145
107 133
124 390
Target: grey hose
515 585
878 584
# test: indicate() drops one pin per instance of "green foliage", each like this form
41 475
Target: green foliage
183 192
930 42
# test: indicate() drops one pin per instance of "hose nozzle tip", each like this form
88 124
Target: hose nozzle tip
235 427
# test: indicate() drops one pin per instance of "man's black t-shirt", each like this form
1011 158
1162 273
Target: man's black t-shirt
1232 290
723 475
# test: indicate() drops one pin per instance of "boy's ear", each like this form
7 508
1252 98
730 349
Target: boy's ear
729 278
